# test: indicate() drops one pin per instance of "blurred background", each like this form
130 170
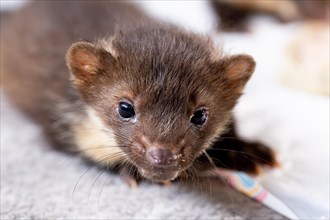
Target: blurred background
286 105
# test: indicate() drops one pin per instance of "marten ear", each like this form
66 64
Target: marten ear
84 61
238 70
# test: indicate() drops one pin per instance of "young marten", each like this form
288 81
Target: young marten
105 80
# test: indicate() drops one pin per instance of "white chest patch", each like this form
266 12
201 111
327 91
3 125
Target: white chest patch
97 142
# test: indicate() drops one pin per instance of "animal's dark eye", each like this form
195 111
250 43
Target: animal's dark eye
199 117
126 110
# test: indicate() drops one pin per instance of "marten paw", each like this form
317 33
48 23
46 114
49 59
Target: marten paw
249 157
131 178
256 157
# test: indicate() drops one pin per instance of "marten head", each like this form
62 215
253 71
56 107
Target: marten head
164 93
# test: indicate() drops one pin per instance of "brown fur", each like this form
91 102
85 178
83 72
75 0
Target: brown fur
165 72
234 15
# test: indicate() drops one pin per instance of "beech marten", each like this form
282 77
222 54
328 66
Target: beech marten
107 81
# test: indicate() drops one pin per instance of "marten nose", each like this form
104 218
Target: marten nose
160 156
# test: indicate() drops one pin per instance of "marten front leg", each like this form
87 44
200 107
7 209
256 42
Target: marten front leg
232 152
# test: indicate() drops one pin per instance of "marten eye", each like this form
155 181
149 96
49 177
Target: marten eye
126 110
199 117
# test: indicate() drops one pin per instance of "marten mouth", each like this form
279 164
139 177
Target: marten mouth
159 175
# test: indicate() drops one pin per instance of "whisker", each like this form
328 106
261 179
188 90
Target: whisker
89 193
214 170
81 152
100 193
92 167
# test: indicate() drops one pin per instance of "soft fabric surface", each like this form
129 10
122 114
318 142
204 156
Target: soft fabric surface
38 182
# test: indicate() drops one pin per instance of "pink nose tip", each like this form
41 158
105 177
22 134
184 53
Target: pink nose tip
160 156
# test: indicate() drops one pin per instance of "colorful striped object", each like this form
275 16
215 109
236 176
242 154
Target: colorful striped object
245 184
250 187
